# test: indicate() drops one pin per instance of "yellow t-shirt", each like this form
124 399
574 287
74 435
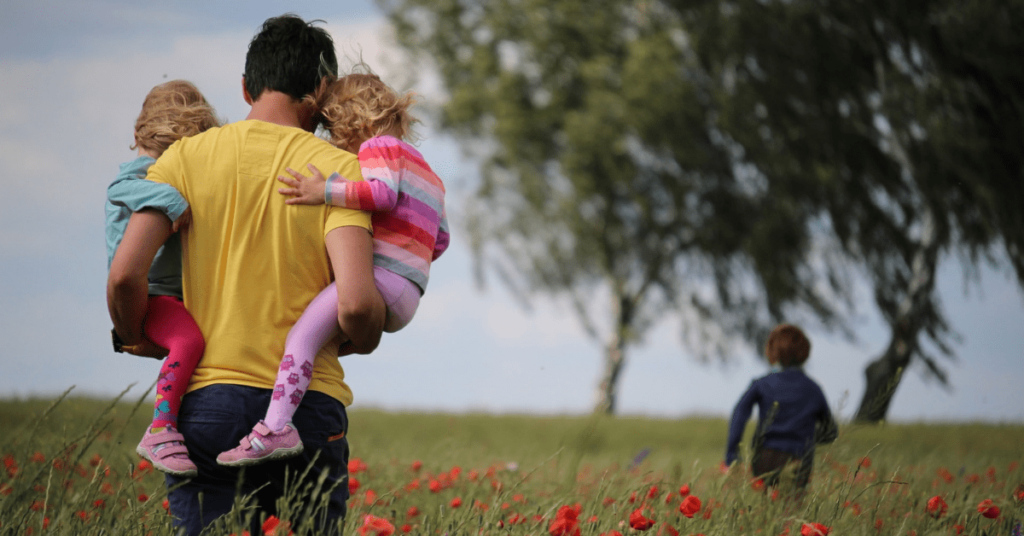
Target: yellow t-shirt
251 263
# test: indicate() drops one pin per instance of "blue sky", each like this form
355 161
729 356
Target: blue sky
74 77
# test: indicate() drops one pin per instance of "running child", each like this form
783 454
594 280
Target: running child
171 111
793 415
363 116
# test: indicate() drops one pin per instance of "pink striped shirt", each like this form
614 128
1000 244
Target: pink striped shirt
410 227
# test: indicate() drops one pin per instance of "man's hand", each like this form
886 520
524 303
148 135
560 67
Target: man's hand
183 221
146 348
305 190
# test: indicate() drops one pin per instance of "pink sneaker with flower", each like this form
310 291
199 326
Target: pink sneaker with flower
166 451
263 444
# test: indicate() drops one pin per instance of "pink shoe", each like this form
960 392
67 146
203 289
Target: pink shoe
262 445
166 451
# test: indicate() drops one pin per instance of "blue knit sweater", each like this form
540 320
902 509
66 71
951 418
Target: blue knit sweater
790 406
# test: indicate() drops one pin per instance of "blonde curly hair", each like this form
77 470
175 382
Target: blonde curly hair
171 111
359 106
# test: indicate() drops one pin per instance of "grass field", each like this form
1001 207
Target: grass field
70 468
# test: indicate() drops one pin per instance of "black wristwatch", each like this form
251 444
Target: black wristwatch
116 339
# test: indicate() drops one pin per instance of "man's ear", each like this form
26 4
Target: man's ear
245 93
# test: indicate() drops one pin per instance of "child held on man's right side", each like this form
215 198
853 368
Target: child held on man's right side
793 414
366 117
170 111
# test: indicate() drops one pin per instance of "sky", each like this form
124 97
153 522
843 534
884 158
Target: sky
74 76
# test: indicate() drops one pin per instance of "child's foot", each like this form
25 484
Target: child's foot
166 451
262 445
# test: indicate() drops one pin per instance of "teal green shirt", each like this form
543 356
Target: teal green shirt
131 192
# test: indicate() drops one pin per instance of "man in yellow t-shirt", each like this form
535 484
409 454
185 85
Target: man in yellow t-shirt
251 264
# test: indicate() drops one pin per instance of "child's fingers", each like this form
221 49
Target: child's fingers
296 174
289 181
301 200
288 191
316 172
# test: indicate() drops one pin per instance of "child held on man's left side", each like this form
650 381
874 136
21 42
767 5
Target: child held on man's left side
171 111
365 117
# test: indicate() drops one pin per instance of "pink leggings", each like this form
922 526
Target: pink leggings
171 326
317 325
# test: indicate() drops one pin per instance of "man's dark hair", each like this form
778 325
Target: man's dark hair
289 55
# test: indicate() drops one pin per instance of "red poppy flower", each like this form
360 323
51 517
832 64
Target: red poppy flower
814 529
607 501
370 498
638 521
988 509
653 492
611 533
376 526
275 527
937 506
456 502
757 484
143 497
406 528
434 486
412 511
356 465
684 490
353 484
689 506
566 521
417 465
39 458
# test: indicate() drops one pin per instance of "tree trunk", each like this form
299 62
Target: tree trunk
614 355
883 375
607 390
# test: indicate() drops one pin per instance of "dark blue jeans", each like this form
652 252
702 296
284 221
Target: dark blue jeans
215 418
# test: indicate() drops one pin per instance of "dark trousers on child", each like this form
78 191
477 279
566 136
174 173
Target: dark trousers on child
768 464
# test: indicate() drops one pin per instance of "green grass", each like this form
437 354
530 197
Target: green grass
70 464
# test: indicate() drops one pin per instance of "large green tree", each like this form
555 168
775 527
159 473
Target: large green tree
725 161
901 121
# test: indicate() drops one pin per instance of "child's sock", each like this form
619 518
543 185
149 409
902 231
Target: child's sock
317 325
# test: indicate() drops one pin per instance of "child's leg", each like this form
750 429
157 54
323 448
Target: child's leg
317 325
400 295
170 325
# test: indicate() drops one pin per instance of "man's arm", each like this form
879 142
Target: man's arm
361 309
128 283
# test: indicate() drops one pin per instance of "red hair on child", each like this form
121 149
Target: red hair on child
787 345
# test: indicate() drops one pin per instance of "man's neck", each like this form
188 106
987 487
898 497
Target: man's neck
278 108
